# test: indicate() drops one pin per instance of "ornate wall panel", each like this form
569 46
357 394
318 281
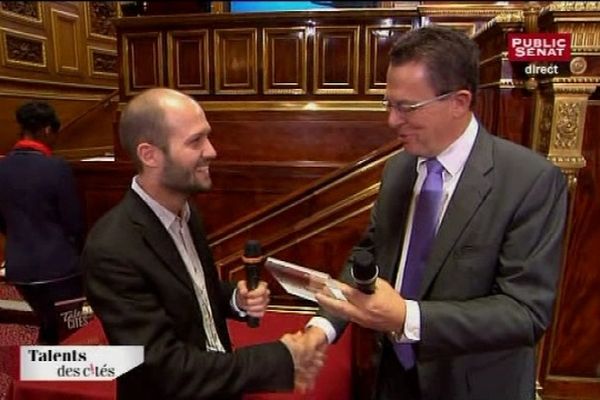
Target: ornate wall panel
23 50
46 49
102 62
98 15
188 61
24 11
572 370
284 55
142 61
284 60
236 61
335 60
378 42
66 38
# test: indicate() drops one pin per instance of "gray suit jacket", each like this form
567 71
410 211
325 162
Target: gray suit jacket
489 285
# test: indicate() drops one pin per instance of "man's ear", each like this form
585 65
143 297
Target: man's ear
462 102
149 155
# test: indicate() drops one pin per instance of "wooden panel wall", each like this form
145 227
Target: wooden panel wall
551 114
62 52
277 56
238 189
572 368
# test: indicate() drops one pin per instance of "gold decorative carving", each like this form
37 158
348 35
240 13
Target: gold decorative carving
531 84
483 11
578 65
504 83
585 37
578 80
514 17
26 51
100 13
506 17
23 50
562 6
103 62
29 10
567 124
571 175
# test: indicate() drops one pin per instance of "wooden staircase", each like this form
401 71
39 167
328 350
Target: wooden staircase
315 225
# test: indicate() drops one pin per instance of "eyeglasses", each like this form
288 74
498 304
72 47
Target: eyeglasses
407 108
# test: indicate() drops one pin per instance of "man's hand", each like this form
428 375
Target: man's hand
254 302
384 310
308 353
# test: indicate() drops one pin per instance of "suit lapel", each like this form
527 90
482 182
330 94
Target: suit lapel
472 188
157 237
401 185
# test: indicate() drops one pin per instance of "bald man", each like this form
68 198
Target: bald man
151 279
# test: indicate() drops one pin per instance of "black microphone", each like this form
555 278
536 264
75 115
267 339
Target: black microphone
253 260
364 271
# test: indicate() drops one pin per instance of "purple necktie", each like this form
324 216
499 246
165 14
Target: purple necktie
421 238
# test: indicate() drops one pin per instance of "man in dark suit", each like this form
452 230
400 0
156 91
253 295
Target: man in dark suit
151 279
466 232
41 216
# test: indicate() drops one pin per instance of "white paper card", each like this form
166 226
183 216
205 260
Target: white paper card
301 281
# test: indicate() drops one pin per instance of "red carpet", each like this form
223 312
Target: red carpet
11 335
8 292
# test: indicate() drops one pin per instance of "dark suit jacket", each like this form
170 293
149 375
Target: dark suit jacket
41 216
489 284
139 287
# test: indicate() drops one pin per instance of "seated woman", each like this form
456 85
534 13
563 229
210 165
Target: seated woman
41 218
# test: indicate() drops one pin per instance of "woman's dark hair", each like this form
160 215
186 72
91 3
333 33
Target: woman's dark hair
34 116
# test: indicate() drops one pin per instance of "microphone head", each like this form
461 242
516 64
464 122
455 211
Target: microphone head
252 249
364 268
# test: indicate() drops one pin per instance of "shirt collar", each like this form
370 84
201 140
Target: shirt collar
454 157
166 216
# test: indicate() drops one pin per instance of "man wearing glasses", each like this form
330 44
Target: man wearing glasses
466 232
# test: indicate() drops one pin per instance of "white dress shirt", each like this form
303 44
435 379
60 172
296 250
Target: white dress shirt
178 229
453 159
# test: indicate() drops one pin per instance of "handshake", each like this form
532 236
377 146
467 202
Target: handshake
308 352
307 347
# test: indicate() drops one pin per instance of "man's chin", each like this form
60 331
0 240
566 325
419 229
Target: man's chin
200 187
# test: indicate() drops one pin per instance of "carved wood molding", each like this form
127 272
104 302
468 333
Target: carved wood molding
102 62
99 15
29 11
23 49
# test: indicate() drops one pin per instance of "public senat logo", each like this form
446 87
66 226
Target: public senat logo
539 47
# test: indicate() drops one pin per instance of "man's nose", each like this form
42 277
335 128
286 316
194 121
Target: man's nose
395 118
209 151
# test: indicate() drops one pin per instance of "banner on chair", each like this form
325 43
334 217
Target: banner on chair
78 363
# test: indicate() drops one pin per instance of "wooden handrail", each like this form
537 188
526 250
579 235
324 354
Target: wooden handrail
101 103
302 194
